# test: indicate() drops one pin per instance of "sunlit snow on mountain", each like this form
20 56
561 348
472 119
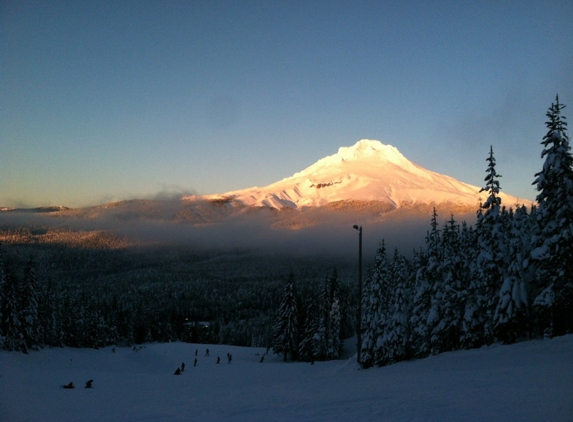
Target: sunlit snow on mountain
366 171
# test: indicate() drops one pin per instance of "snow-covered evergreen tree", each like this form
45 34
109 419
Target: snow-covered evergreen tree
511 318
11 315
448 293
554 244
487 280
374 307
48 315
369 304
422 304
286 325
334 345
394 345
434 279
322 334
309 329
31 328
467 272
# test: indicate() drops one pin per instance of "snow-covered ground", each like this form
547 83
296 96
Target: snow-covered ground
531 381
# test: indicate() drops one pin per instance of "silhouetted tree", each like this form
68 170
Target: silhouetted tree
554 242
286 324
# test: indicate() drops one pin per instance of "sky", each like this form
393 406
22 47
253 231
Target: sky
103 101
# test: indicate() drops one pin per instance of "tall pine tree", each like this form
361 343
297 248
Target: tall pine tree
422 305
448 292
487 279
394 347
374 308
554 244
286 325
511 316
11 315
31 328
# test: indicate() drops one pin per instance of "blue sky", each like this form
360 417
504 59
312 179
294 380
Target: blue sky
108 100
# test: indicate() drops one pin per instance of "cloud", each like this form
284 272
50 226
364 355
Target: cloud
170 193
330 234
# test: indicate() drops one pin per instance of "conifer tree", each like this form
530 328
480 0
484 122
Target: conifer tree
369 302
309 329
554 244
511 318
485 283
374 312
383 313
31 328
48 315
324 342
286 325
448 292
434 279
322 334
422 303
394 346
468 271
11 315
334 345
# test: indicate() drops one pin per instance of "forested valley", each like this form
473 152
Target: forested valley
92 289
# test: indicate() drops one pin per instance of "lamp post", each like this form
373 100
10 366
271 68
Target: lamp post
359 313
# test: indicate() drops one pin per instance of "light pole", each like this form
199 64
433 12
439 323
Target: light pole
359 313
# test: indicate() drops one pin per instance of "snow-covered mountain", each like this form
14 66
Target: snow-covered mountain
366 171
369 183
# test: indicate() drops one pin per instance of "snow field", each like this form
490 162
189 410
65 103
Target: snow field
531 381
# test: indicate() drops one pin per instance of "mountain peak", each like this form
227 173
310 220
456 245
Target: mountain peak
365 171
368 148
369 152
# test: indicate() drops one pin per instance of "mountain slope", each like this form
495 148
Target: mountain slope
366 171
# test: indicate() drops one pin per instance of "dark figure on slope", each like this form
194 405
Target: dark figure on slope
177 372
89 383
69 386
182 366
